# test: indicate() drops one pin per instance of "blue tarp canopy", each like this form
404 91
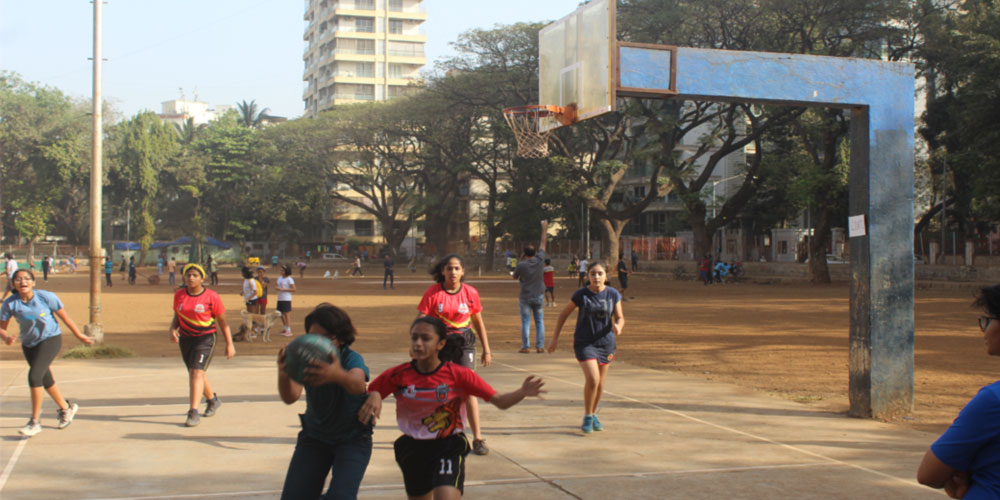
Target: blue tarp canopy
164 244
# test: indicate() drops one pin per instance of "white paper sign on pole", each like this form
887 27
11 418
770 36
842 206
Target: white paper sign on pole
856 226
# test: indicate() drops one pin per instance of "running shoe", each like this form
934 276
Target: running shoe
286 333
193 418
597 424
32 428
66 416
588 424
479 447
213 405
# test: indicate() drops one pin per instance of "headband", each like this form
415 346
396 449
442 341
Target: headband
195 266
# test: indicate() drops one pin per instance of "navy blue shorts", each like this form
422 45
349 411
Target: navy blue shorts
602 349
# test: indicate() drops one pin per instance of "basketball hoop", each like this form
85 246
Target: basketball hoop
525 121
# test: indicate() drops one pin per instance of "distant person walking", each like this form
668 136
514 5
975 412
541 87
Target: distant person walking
623 276
36 312
274 261
389 275
131 270
357 266
598 322
635 261
122 268
109 267
705 270
530 272
302 268
198 316
213 271
581 268
549 277
10 267
159 265
46 268
286 287
172 271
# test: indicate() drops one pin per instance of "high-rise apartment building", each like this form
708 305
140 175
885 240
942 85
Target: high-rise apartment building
361 50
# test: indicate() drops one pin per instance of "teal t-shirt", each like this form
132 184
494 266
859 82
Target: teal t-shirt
331 412
36 317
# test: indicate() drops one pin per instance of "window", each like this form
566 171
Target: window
395 71
396 5
639 192
783 247
406 49
364 228
396 27
364 69
365 24
364 4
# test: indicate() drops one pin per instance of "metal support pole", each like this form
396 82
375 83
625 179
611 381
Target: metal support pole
94 328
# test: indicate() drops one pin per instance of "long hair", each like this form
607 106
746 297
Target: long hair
989 300
438 270
452 350
334 320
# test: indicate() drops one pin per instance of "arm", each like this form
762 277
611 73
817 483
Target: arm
288 389
175 332
320 373
559 324
619 319
230 349
937 474
72 327
532 386
7 338
480 327
371 409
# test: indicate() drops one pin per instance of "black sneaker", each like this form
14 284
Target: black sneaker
193 418
479 447
213 405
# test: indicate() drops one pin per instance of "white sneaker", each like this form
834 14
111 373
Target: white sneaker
286 333
32 428
66 416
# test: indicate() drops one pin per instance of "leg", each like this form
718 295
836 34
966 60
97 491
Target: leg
525 323
40 378
472 405
285 320
592 378
198 387
446 493
308 468
349 463
538 310
392 279
603 370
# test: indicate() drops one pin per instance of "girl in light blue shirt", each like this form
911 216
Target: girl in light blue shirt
36 312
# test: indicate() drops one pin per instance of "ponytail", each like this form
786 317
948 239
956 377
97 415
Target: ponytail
452 350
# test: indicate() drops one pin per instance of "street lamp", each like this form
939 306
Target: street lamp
715 184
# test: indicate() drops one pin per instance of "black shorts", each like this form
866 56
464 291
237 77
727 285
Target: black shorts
602 349
550 289
251 303
429 463
197 351
468 357
623 279
284 306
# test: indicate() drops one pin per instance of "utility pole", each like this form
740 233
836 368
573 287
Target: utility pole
94 328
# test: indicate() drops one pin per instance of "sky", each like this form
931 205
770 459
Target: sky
220 51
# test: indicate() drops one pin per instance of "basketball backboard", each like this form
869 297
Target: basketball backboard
576 62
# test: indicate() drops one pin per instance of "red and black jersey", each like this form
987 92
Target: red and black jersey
196 313
455 309
430 405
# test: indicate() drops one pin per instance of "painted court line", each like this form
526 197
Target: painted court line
13 460
500 482
742 433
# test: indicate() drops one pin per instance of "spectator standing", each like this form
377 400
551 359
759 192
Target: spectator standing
274 261
46 267
390 267
131 270
581 268
635 261
530 271
108 269
623 276
10 267
159 264
172 271
213 271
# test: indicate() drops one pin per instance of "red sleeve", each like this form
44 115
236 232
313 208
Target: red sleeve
217 308
473 384
474 304
383 384
178 297
425 305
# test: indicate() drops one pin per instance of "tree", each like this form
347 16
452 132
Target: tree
231 175
33 223
250 115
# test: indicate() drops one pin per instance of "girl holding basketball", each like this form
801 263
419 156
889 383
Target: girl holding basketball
430 399
198 316
332 438
458 306
599 321
36 312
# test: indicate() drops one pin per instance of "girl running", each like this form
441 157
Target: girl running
332 438
198 315
458 306
286 287
430 396
36 312
600 319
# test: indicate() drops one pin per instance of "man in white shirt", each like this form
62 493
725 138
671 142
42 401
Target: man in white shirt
11 268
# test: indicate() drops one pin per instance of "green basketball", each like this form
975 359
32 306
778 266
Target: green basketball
301 350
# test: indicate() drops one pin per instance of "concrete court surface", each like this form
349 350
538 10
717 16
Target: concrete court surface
666 436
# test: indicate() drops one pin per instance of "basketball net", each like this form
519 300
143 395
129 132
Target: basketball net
525 121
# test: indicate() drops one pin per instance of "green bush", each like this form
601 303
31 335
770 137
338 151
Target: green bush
99 352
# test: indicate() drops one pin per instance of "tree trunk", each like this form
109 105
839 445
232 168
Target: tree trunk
611 232
819 273
702 237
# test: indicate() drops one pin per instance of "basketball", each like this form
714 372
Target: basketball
301 350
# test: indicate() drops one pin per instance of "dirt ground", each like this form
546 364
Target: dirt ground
788 340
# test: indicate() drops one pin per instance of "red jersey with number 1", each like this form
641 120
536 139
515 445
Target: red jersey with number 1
455 309
430 405
196 313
